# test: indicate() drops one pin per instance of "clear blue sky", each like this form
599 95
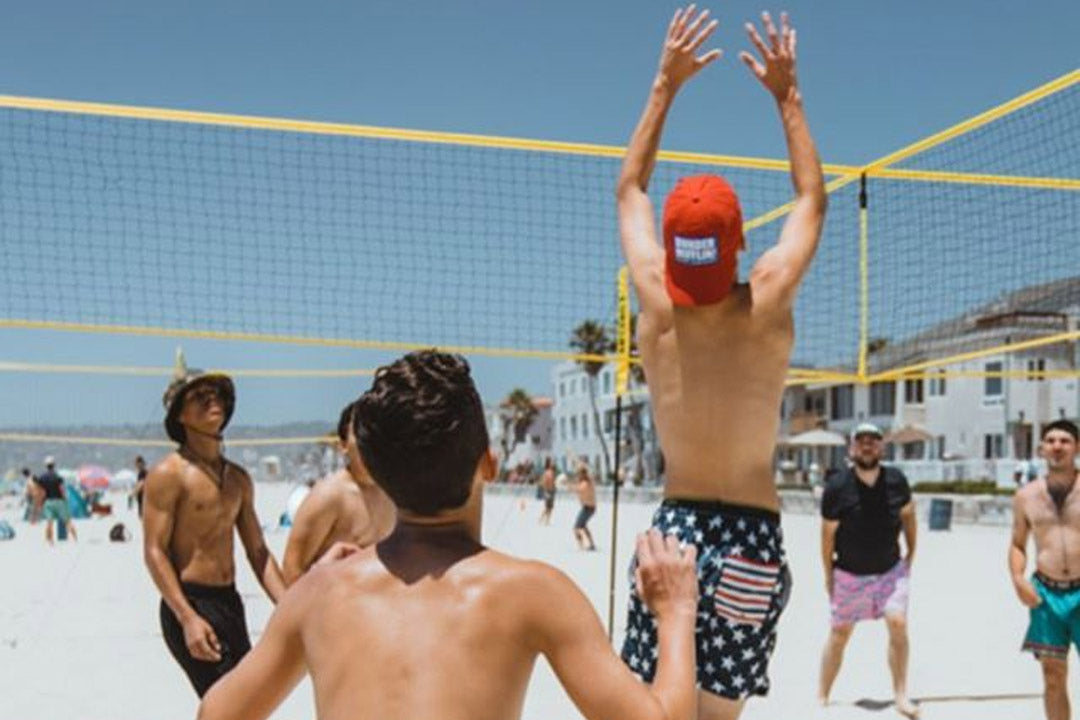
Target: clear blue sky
876 76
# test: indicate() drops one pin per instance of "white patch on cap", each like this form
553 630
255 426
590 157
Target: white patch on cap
696 251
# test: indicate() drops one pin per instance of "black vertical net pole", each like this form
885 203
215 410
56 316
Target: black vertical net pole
614 518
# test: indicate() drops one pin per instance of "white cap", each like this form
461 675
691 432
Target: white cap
49 460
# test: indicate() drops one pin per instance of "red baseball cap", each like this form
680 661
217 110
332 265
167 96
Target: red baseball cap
702 237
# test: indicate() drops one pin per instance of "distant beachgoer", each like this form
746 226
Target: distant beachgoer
586 492
54 508
1025 471
345 507
195 500
864 508
1049 509
35 497
547 491
140 482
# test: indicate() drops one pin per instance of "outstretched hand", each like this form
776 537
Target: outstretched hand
777 73
666 575
338 551
679 60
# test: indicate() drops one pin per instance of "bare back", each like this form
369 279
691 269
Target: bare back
200 546
373 641
365 515
338 509
1057 534
716 378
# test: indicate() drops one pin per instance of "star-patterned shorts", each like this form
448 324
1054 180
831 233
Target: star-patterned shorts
744 582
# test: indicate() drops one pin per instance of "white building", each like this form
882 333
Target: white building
982 422
576 436
534 446
943 428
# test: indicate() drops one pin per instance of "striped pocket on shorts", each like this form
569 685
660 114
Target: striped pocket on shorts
745 590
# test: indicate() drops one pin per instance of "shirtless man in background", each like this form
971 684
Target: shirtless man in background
345 507
429 623
586 492
1049 509
716 354
193 500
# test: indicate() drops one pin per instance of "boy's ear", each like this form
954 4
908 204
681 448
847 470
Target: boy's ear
488 466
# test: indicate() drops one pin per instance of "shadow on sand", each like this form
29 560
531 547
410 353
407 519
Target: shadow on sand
877 705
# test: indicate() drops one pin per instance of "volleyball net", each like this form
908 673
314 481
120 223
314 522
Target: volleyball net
130 221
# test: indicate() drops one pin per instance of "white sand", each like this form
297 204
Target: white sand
79 634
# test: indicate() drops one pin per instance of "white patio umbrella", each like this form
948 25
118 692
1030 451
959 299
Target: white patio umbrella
818 438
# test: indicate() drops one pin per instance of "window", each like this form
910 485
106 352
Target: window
842 402
993 446
562 389
941 445
573 428
609 421
913 392
814 403
562 429
1036 368
937 386
882 398
584 426
607 383
993 387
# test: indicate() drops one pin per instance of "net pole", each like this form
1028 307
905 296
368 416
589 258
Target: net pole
864 279
622 376
614 521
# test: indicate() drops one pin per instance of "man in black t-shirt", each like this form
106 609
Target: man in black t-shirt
863 509
55 506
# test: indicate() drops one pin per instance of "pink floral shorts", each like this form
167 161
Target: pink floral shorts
869 597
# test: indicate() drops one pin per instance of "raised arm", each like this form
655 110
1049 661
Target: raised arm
311 527
163 490
1018 554
601 686
637 223
777 273
251 535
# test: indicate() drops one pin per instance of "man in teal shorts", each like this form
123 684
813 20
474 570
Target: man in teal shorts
1049 509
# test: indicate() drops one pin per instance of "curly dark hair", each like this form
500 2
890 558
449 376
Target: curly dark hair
344 420
420 430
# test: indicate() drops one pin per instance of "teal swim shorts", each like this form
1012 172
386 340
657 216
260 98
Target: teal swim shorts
1055 622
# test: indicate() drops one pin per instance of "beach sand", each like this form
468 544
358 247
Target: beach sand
79 634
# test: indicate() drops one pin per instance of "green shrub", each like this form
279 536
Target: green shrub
962 487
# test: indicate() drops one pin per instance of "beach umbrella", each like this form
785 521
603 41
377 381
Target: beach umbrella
124 478
909 434
93 477
818 438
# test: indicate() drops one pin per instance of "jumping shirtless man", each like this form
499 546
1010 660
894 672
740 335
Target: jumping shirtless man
194 499
1049 509
346 507
431 624
716 353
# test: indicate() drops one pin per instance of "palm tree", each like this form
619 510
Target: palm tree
517 413
592 338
